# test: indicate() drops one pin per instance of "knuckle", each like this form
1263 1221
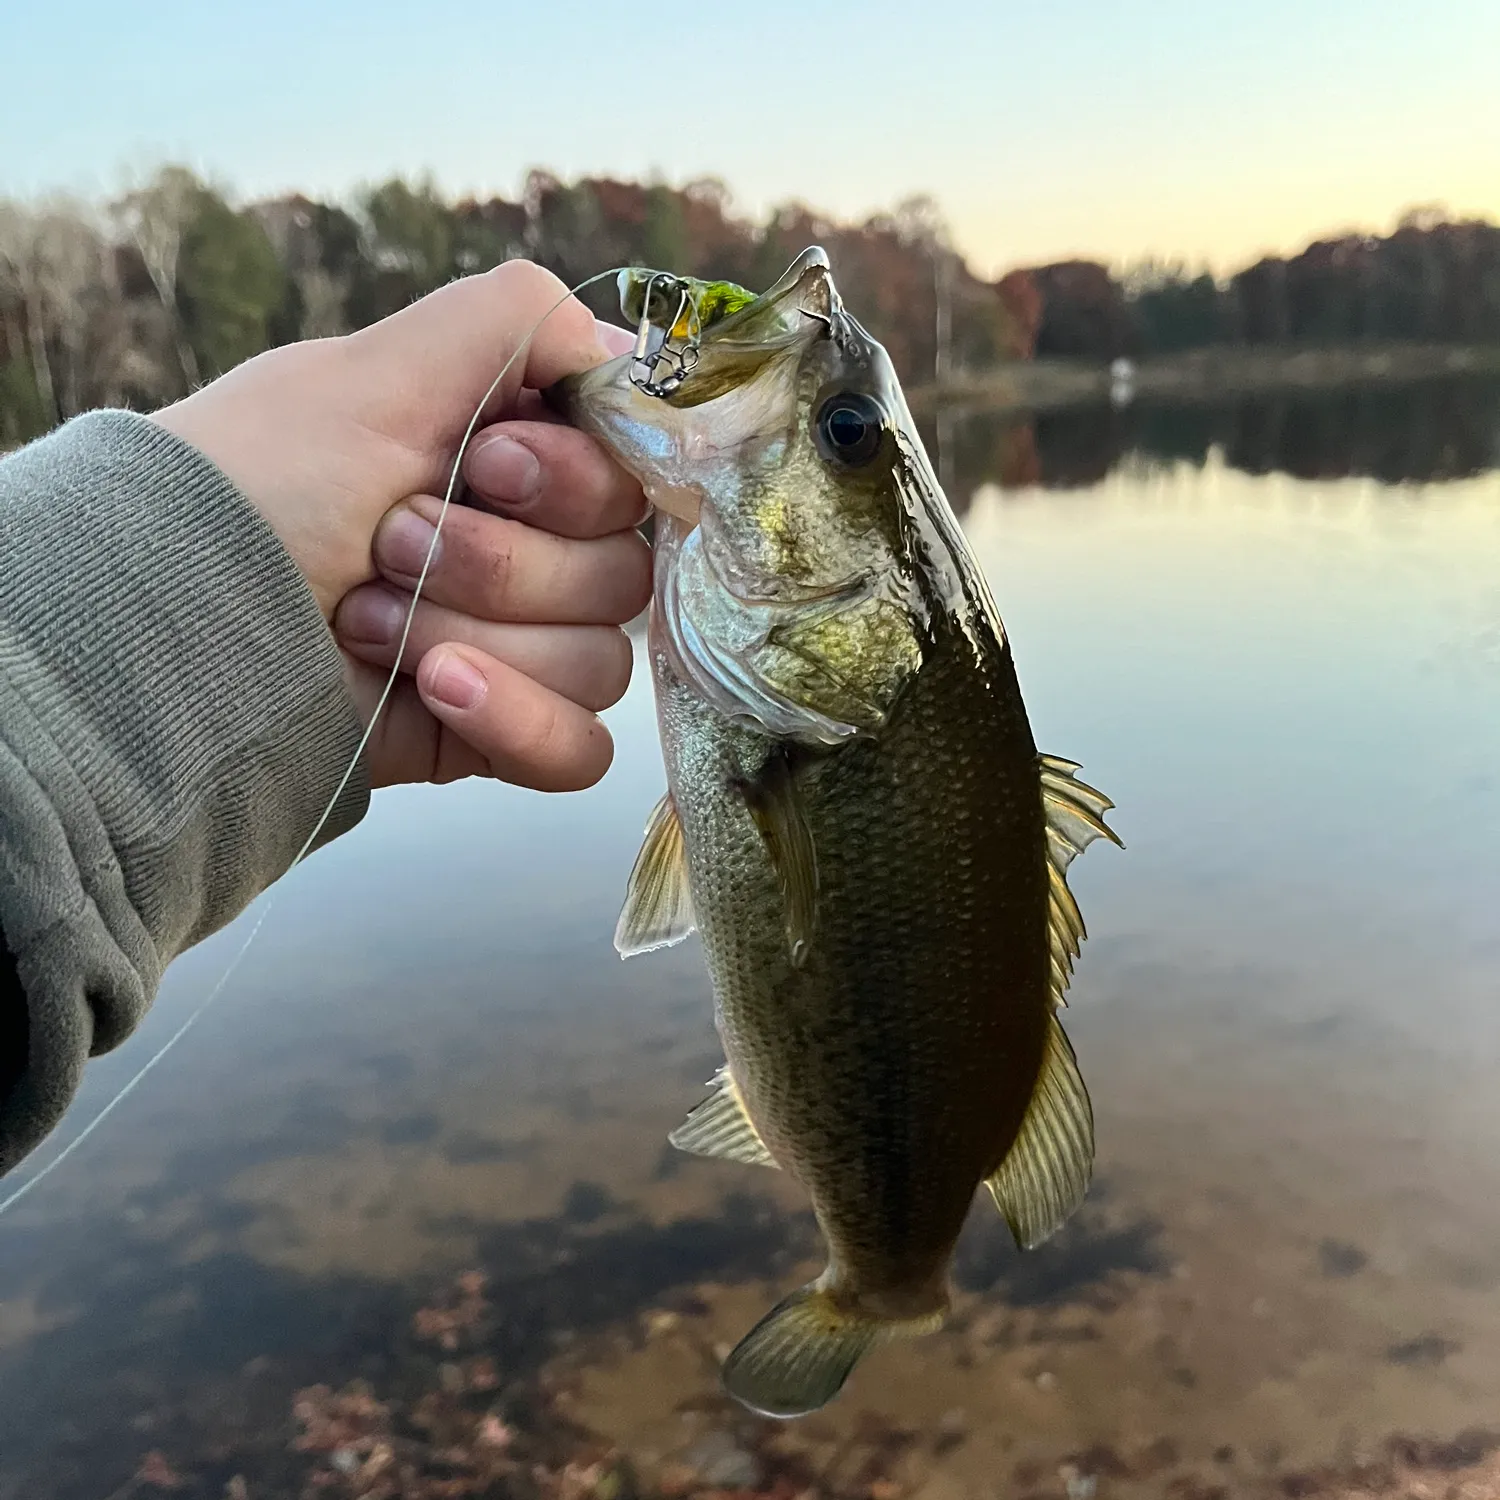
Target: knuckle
564 750
525 278
502 565
637 573
596 755
543 744
623 569
616 662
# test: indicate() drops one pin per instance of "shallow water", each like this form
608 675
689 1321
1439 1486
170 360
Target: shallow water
1286 1012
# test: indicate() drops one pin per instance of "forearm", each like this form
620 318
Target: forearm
173 720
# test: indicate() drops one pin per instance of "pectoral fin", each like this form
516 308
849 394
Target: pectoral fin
722 1127
776 807
658 907
1045 1175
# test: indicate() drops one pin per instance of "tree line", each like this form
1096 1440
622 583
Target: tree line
1431 280
137 300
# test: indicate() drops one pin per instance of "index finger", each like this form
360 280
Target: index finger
554 477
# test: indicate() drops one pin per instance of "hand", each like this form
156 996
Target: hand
345 446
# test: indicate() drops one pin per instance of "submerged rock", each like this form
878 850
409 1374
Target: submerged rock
718 1462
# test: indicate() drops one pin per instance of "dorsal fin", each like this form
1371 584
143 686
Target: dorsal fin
658 908
1046 1172
1075 818
721 1126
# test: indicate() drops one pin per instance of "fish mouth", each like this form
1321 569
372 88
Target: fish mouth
744 362
562 397
729 350
805 287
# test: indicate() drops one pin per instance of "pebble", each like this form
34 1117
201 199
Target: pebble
720 1463
952 1424
990 1327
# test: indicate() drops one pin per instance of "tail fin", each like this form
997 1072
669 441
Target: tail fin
797 1358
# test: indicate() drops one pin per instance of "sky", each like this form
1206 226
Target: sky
1207 132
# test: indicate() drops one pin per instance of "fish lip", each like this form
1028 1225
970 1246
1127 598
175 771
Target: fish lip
561 397
814 255
566 396
809 282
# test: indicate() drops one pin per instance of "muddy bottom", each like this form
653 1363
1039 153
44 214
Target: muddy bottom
1279 1285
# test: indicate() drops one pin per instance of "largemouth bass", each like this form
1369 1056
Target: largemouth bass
857 820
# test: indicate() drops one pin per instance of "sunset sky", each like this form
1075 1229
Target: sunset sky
1205 131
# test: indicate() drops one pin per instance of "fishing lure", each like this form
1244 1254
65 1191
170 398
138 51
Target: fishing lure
675 341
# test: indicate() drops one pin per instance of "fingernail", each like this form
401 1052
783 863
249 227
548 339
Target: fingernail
614 341
372 616
456 683
402 544
504 471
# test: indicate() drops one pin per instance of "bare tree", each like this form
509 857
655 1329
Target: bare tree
291 226
20 281
76 266
153 218
323 298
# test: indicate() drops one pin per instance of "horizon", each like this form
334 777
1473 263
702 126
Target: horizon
1084 132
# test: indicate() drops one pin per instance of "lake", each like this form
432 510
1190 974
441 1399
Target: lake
398 1217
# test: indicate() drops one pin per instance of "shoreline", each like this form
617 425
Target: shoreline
1203 376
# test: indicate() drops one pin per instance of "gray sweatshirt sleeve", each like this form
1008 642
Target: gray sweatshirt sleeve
173 719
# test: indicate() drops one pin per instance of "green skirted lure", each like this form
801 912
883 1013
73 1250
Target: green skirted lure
671 313
679 306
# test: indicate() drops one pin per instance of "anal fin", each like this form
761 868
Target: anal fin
722 1127
658 907
1046 1172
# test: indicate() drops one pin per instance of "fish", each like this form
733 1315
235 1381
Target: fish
857 821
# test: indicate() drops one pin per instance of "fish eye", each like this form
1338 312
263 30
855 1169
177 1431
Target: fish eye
848 428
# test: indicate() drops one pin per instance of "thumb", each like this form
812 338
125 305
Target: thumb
421 372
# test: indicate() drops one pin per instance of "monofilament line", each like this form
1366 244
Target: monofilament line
198 1011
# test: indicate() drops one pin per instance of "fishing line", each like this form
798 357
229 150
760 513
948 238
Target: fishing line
196 1014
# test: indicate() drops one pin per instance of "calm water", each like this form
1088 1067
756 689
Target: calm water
1272 635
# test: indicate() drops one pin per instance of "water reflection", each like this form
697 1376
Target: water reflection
1445 429
435 1064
